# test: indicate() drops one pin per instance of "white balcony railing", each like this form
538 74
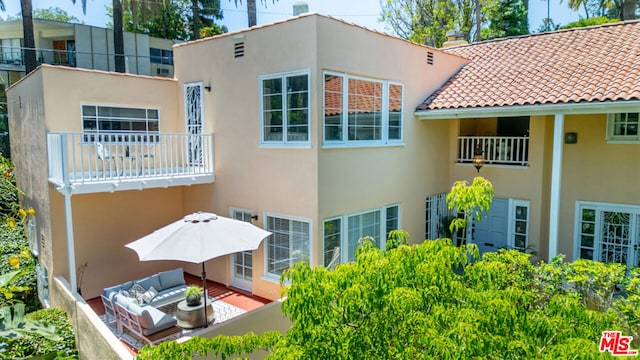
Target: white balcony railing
495 149
89 162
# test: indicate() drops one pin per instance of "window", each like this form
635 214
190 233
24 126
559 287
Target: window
345 231
360 111
285 108
103 123
519 224
608 233
161 56
10 52
623 127
289 243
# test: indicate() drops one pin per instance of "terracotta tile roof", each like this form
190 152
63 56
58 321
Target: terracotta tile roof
599 63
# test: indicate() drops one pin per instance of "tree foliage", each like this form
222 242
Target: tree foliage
50 13
171 19
612 9
434 301
472 200
506 18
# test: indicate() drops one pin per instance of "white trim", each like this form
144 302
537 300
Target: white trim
556 183
531 110
266 274
284 143
344 142
98 131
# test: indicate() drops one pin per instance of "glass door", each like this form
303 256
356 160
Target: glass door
242 262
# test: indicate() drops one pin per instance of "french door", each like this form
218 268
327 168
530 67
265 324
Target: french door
194 122
242 262
608 233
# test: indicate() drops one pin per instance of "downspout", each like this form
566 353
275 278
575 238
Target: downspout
66 190
556 180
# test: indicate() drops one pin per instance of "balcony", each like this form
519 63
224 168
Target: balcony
82 163
502 150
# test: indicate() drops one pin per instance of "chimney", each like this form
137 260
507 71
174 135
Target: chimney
454 38
300 7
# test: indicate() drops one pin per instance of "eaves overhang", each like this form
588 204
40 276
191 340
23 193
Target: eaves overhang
531 110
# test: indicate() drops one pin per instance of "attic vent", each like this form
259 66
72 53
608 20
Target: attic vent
238 49
429 58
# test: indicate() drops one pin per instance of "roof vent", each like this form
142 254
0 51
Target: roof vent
430 57
238 49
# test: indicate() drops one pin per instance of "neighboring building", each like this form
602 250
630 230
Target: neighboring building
326 132
78 45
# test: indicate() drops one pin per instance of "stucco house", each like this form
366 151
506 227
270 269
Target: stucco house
323 132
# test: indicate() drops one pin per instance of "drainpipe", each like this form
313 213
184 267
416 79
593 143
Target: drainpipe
68 217
556 177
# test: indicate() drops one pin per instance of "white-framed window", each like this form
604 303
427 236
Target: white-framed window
608 232
108 124
360 111
10 51
343 232
284 109
519 224
32 235
289 243
623 127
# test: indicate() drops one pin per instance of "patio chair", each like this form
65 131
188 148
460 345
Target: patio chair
104 157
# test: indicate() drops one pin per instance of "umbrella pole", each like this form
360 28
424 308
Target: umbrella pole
204 290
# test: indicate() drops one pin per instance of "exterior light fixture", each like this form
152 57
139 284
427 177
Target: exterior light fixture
254 217
208 88
478 160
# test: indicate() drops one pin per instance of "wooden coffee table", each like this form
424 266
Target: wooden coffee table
190 317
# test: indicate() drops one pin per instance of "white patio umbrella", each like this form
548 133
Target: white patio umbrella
197 238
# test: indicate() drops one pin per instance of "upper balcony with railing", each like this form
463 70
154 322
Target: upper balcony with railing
497 150
500 141
111 161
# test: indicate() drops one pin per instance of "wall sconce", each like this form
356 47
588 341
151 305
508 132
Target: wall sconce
208 88
478 160
254 217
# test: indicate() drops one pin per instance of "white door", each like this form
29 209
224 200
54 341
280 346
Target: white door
491 233
242 262
194 122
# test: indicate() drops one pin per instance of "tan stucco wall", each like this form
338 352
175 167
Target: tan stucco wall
515 182
275 180
357 179
594 170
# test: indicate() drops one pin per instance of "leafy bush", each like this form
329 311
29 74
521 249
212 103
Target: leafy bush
592 21
39 345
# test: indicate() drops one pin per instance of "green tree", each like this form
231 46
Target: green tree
472 200
50 13
507 18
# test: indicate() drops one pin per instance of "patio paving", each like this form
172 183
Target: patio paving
229 303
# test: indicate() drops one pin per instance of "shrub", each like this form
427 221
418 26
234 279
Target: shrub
38 345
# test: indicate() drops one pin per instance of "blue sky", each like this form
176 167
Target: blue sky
362 12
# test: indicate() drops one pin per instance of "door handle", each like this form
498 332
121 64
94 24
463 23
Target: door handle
488 244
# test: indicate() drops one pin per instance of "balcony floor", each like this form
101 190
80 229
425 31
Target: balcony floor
229 295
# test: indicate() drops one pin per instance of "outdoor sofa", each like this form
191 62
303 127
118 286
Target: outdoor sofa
134 304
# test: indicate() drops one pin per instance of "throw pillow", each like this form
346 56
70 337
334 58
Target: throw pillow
149 295
124 293
136 292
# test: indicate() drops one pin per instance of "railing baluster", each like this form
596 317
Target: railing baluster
509 150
